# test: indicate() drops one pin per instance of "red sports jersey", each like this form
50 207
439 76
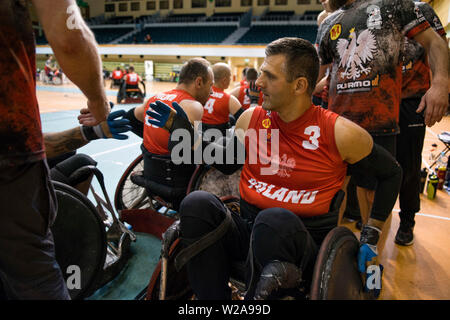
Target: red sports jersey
132 79
21 138
117 74
217 108
310 169
245 100
243 83
156 139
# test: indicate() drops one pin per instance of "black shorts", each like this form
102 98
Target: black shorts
387 142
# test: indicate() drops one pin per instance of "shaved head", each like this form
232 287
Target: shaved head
221 70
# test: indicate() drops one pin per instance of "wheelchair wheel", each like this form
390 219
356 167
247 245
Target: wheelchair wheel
212 180
129 195
80 239
336 274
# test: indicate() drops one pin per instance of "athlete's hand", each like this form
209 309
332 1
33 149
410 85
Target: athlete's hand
113 127
435 103
253 92
164 116
90 117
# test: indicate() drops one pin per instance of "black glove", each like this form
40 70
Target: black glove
253 92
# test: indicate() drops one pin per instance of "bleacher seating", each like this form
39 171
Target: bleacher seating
189 34
120 20
40 40
277 16
106 35
225 17
183 17
266 34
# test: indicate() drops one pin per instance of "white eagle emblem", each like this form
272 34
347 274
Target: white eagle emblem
356 52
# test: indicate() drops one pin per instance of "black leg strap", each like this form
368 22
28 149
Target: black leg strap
210 238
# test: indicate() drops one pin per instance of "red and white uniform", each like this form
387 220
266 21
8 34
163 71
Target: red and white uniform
216 109
117 74
156 139
305 173
132 79
245 100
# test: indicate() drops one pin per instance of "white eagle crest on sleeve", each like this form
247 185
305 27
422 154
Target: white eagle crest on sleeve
355 52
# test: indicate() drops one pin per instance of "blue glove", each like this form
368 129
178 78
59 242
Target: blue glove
111 128
164 116
118 126
366 253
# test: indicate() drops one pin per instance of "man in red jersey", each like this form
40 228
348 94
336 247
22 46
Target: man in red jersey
116 77
131 79
242 92
220 104
28 269
287 196
192 92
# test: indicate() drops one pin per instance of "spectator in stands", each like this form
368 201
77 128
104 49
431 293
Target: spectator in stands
28 269
415 82
242 92
365 85
148 38
220 104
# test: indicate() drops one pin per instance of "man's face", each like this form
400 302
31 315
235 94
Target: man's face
205 91
277 91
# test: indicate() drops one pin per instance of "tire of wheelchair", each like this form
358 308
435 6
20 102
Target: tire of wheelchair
336 275
125 184
79 237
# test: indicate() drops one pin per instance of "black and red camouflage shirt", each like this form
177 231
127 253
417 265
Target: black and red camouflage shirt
364 41
21 138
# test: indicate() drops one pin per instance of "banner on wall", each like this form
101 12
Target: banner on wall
149 70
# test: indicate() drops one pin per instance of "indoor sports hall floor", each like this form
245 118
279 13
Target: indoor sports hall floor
420 271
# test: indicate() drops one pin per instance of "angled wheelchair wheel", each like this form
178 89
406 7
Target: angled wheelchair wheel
129 195
336 275
80 240
212 180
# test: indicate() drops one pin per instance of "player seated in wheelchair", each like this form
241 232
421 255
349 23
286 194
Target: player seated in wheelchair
296 160
129 89
161 176
222 109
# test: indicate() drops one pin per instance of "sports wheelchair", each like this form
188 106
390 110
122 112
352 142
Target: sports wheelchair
131 95
335 276
89 237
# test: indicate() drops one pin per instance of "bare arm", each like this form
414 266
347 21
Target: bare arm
435 100
322 79
235 92
234 105
75 48
58 143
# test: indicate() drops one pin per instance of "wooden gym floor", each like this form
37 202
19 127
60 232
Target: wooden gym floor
420 271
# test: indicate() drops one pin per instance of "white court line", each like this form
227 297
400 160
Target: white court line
115 149
426 215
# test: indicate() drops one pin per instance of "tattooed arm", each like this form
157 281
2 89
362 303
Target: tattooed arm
57 143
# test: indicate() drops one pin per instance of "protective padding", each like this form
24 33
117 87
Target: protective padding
79 237
212 180
336 275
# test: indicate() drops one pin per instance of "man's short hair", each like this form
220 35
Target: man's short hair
301 59
193 68
244 71
252 74
131 68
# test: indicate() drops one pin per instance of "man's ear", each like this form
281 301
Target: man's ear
301 85
198 82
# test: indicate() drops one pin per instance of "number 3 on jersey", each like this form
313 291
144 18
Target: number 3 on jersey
314 133
209 105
